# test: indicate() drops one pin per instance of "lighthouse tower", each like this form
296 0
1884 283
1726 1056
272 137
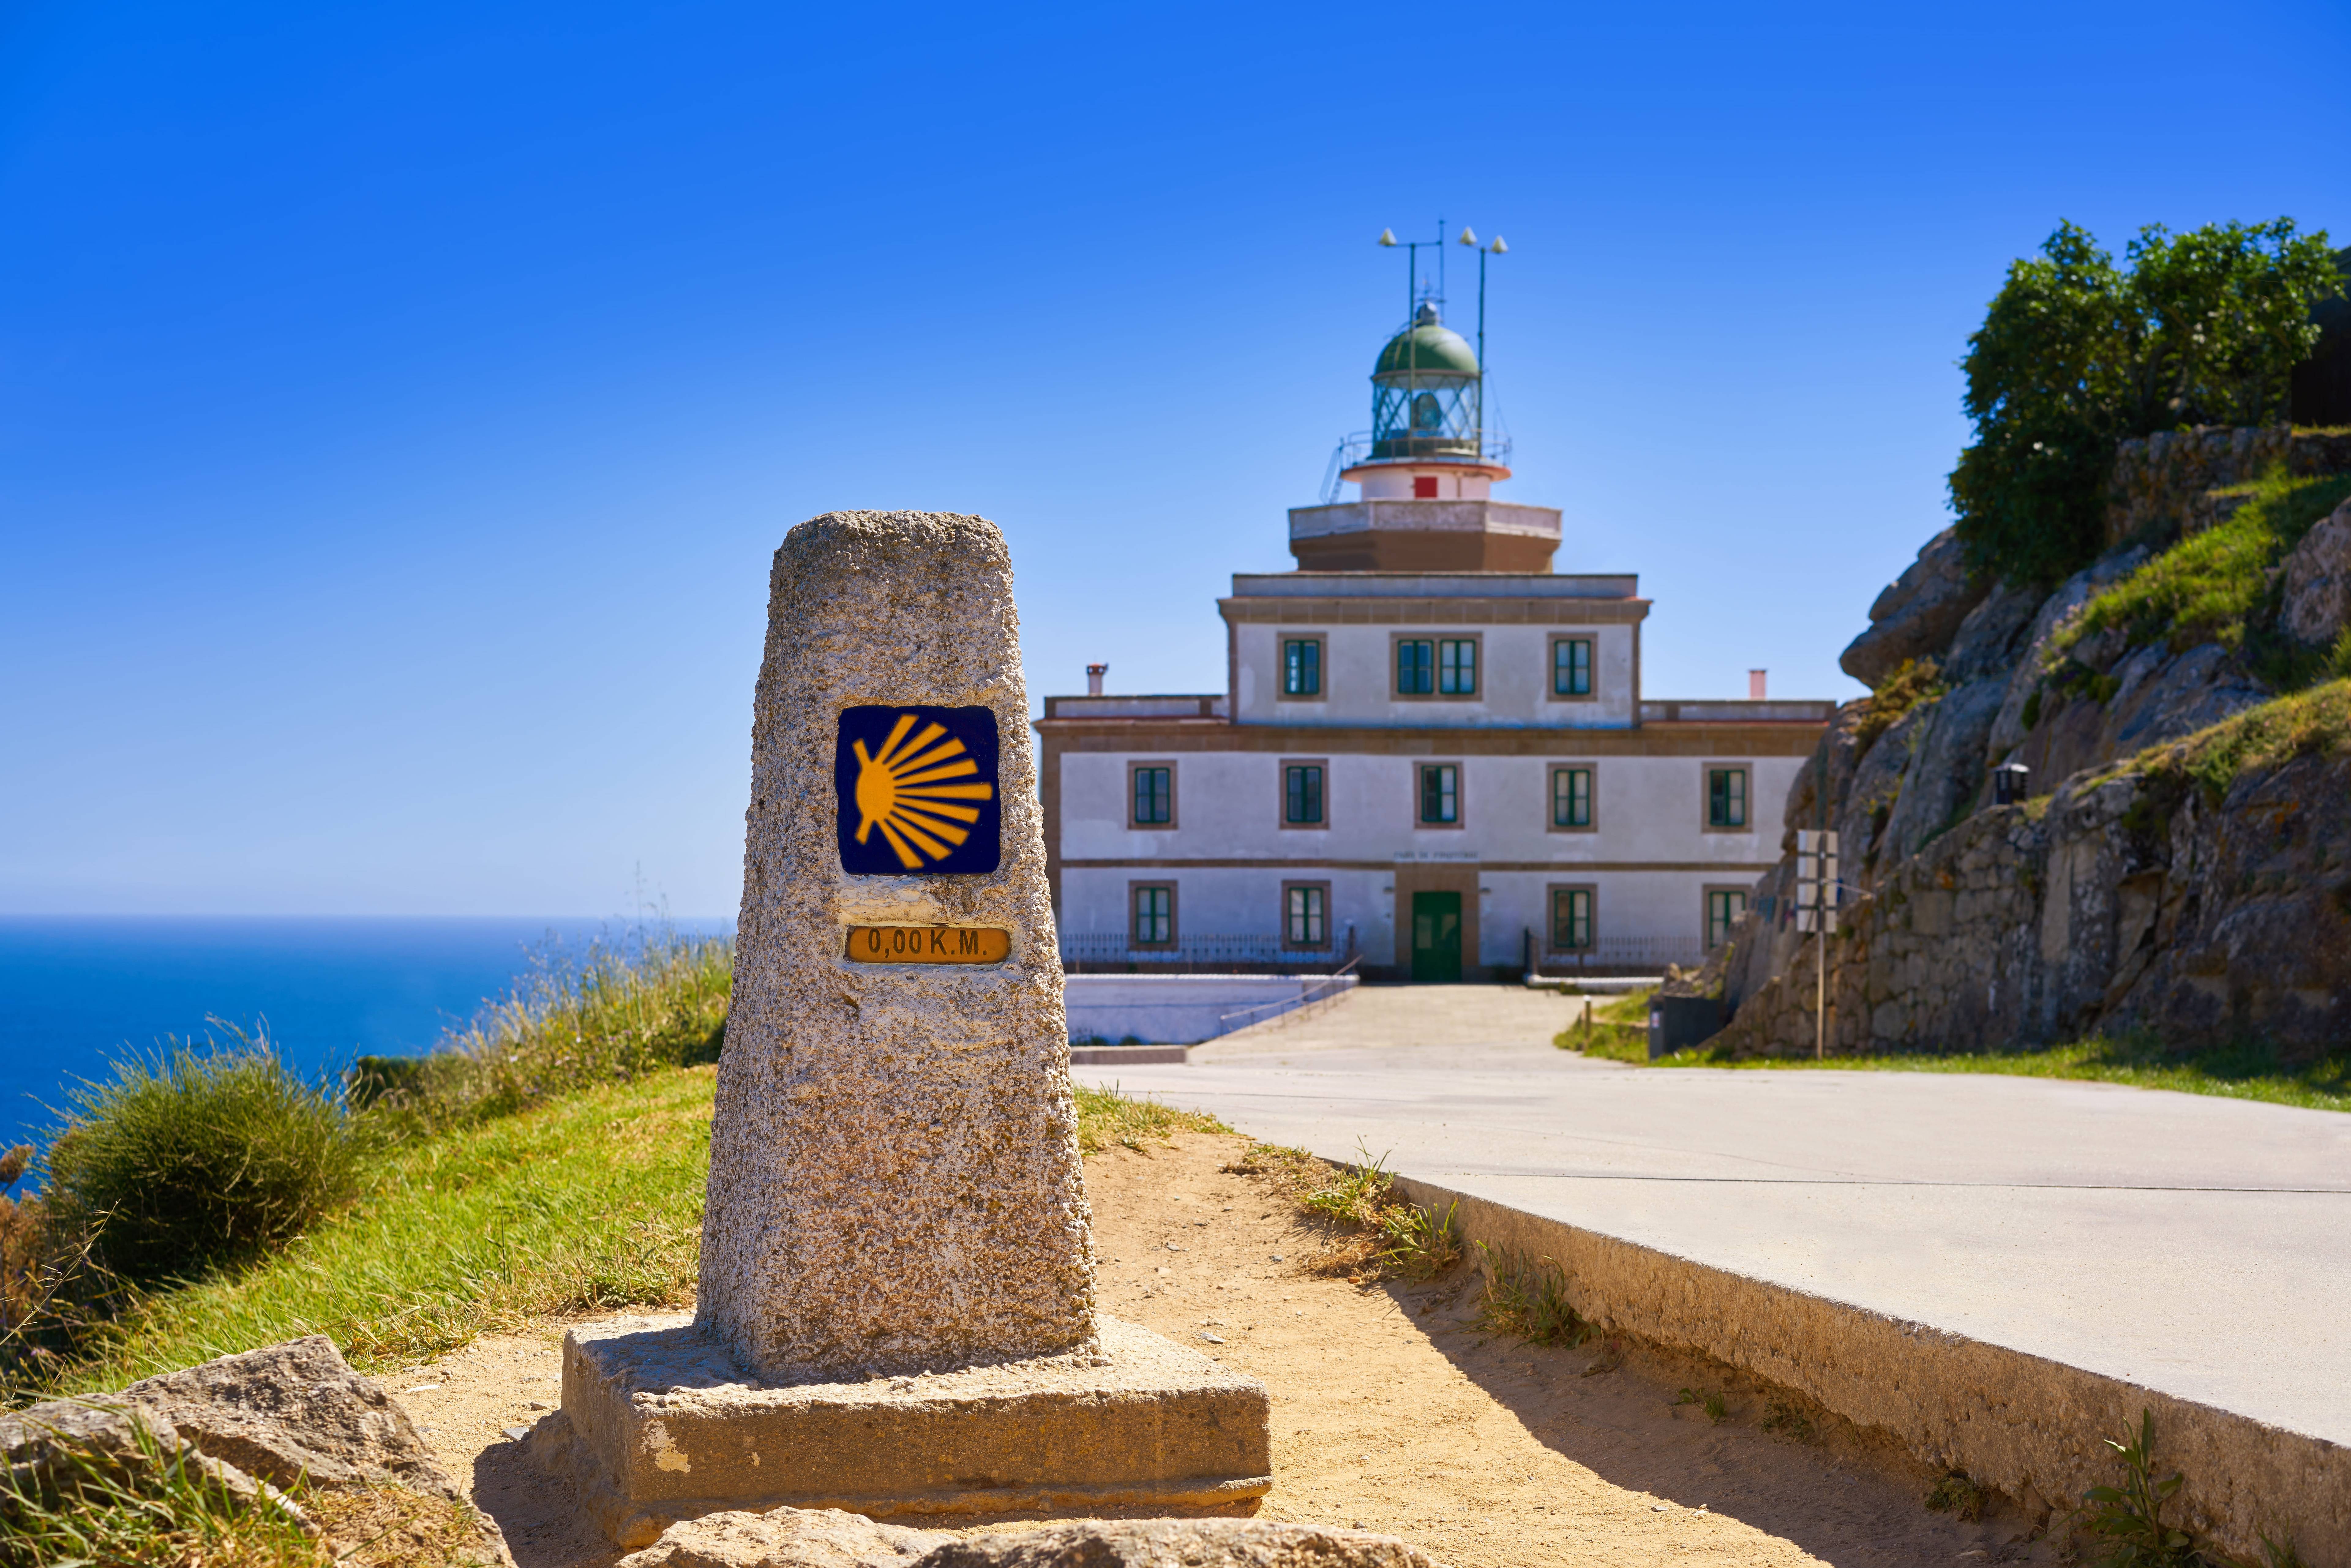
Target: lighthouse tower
1425 473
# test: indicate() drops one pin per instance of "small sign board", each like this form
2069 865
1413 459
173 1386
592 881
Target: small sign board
916 791
929 943
1817 886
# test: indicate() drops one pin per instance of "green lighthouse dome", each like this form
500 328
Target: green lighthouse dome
1427 347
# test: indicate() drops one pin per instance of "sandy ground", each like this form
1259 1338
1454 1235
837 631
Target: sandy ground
1391 1411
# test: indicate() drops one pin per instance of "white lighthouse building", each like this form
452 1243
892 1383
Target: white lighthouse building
1430 751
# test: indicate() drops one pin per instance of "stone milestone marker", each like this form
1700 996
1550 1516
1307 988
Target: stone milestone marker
896 1311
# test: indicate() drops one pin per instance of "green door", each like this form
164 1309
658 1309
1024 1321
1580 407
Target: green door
1436 937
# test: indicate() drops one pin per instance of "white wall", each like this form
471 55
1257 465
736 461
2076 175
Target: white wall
1359 678
1228 806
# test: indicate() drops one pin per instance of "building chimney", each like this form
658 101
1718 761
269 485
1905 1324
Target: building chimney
1755 685
1094 673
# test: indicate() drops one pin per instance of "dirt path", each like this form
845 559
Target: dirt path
1390 1410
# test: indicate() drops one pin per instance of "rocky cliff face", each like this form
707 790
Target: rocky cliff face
2122 894
2136 898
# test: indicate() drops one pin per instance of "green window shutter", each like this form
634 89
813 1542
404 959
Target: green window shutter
1154 917
1571 918
1302 795
1415 667
1726 797
1305 917
1155 795
1302 668
1570 798
1441 793
1571 668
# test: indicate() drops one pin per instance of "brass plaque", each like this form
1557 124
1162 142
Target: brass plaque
929 943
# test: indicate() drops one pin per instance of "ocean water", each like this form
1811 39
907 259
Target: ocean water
77 992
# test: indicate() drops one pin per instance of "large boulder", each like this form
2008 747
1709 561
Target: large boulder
797 1537
1946 771
1841 754
62 1443
1181 1543
2008 730
292 1412
827 1538
1869 802
1992 638
2158 696
1917 614
2318 581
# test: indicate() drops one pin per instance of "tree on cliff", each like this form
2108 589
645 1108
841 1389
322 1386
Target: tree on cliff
2076 354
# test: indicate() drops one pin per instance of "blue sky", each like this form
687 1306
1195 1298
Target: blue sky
398 404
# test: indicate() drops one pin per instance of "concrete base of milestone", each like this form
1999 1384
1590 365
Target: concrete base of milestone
659 1424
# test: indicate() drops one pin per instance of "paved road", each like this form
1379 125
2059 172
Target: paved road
2197 1245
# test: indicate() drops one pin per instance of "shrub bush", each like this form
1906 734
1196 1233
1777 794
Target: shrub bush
2076 353
199 1156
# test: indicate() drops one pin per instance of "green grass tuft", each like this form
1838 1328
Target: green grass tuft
1107 1116
1957 1495
1910 684
2314 723
159 1507
1618 1031
199 1155
1526 1298
1380 1234
2215 586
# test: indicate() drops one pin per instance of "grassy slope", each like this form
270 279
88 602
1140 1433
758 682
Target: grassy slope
2242 1072
2237 1073
2214 587
591 1201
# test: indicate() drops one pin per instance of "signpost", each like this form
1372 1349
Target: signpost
1816 911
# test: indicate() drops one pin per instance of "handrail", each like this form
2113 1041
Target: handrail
1305 999
1488 445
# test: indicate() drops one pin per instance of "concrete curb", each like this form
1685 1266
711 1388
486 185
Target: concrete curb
2028 1425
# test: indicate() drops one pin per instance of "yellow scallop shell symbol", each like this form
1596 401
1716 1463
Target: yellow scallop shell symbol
906 790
